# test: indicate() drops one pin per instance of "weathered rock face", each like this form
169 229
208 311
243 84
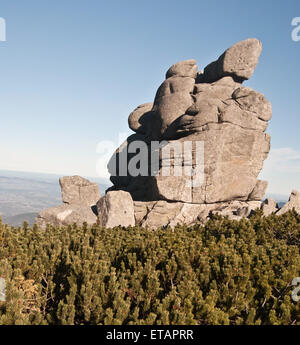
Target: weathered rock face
239 61
155 214
140 119
172 100
116 208
66 215
186 68
293 203
233 158
79 204
78 190
259 190
212 108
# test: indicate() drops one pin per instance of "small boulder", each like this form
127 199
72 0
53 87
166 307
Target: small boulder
269 206
238 61
78 190
187 68
116 208
241 59
139 119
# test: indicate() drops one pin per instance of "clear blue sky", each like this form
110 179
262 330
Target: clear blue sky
72 70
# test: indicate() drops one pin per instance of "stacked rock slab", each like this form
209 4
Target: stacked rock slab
211 107
79 197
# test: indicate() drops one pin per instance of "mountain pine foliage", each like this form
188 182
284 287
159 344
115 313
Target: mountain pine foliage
226 272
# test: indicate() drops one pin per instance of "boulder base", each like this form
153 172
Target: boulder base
162 213
66 215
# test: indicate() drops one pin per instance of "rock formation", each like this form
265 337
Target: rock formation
79 197
210 107
213 131
293 203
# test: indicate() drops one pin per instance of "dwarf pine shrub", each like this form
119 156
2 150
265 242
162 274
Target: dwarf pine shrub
226 272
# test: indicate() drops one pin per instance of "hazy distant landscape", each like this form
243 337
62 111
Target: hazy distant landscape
23 195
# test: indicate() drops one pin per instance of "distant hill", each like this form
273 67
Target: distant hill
19 219
23 194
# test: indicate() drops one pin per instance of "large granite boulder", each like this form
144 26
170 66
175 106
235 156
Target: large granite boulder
79 197
212 108
238 61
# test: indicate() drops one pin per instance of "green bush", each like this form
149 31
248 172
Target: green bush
227 272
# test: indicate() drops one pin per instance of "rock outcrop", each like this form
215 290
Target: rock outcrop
293 203
79 197
197 150
214 109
